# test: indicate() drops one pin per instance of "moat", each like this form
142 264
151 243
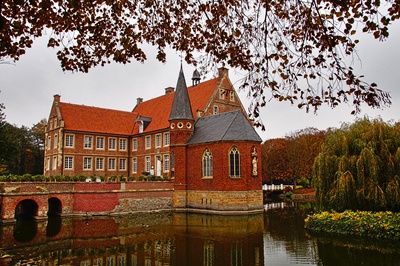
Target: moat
275 237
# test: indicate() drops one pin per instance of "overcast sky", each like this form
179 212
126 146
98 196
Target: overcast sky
27 87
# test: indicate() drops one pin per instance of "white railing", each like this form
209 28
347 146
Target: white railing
275 187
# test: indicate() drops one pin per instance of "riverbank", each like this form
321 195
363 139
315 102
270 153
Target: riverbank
380 225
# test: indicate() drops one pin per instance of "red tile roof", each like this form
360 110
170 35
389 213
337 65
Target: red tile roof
101 120
159 108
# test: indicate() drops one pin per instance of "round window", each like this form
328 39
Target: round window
188 125
180 125
172 126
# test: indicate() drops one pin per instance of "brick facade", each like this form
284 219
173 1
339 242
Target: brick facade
82 140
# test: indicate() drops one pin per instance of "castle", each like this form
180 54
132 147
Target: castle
199 137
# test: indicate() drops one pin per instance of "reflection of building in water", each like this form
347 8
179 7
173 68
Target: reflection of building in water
169 239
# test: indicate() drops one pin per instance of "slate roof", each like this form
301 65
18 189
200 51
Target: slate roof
94 119
181 108
230 126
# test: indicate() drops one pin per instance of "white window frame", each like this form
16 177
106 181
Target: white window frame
69 140
134 144
100 163
166 162
68 162
147 164
87 142
134 165
48 163
48 142
112 144
232 96
122 164
148 142
207 163
113 164
122 144
99 143
166 139
232 168
87 163
158 141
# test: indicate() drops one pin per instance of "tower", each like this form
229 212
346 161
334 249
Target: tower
181 123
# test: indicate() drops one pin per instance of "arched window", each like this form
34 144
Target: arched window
207 163
234 163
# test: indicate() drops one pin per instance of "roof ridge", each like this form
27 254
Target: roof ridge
94 107
230 124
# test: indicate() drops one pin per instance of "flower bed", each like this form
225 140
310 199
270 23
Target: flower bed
383 225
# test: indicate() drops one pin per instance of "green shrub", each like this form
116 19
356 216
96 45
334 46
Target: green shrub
385 225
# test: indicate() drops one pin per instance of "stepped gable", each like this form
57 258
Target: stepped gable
97 120
230 126
158 109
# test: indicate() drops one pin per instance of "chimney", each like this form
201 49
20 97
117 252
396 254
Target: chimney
222 71
169 90
139 101
57 97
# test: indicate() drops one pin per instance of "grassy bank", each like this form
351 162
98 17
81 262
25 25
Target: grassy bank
382 225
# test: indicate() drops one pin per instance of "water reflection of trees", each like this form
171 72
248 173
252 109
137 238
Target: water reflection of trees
290 238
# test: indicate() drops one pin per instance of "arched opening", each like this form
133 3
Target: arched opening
26 209
55 207
25 230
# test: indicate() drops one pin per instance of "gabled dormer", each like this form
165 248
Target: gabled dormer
143 122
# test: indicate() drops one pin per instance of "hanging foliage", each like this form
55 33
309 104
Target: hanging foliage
359 167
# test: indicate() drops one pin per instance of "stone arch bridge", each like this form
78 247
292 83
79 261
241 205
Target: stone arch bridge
42 199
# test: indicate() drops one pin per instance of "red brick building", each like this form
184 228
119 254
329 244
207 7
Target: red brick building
198 136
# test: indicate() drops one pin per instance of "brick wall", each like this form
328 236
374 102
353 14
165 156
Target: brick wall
221 180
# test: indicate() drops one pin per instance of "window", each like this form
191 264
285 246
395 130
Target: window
122 164
147 166
134 144
111 164
215 112
69 141
122 144
87 163
54 163
166 139
100 143
49 142
158 140
88 142
111 144
166 162
99 163
222 94
134 165
207 164
48 164
234 163
148 142
55 141
232 96
68 162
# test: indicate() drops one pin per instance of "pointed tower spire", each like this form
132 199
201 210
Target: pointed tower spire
181 108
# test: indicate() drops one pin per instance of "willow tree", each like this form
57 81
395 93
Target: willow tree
359 167
291 50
